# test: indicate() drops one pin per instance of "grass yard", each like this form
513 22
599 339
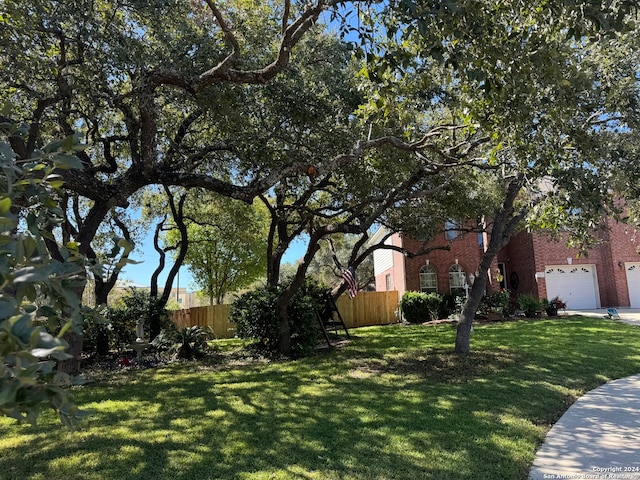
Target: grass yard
394 404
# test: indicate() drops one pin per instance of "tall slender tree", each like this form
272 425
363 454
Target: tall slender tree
227 247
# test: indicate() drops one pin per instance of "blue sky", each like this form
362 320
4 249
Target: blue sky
140 274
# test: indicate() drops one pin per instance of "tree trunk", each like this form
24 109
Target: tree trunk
102 340
273 265
74 339
282 305
463 334
177 213
72 365
504 224
284 332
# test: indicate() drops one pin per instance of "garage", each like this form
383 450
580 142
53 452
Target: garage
575 284
633 283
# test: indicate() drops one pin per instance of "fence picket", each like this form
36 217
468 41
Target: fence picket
367 308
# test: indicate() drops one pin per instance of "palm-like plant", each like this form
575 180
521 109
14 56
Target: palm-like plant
188 342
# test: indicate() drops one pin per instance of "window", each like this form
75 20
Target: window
452 230
428 279
457 279
387 279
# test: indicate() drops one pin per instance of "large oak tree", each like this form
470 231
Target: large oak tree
154 86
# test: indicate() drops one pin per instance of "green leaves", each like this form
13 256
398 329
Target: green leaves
33 274
66 162
5 205
34 286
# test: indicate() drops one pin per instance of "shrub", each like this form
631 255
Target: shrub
418 307
305 330
452 304
255 316
187 344
552 306
122 318
497 302
529 304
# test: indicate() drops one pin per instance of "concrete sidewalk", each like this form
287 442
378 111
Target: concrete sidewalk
599 436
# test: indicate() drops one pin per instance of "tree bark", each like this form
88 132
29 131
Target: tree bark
177 213
463 333
288 292
72 365
504 224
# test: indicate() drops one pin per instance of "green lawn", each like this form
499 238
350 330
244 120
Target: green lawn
396 403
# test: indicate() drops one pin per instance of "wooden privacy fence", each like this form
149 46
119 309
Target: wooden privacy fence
214 316
368 308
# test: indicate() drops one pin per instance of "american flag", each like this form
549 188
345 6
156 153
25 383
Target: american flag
349 277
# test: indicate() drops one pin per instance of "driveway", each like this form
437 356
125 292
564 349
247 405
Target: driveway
627 315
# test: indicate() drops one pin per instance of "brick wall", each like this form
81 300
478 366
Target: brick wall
519 264
524 256
464 248
624 245
616 247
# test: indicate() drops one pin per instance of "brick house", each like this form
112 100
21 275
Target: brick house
608 276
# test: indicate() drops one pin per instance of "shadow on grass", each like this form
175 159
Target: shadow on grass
396 403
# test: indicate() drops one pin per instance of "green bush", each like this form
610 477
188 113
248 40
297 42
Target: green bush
305 331
497 302
120 329
452 304
418 307
255 316
529 304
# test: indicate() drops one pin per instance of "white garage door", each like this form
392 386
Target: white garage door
575 284
633 283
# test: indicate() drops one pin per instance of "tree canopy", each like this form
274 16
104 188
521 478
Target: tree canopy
539 90
227 97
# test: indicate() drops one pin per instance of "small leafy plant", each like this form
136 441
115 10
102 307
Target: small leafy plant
530 304
552 306
188 343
